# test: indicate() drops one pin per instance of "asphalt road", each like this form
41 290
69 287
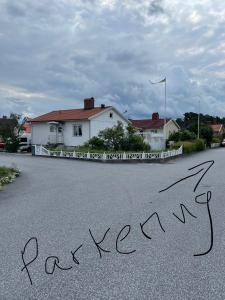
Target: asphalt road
60 203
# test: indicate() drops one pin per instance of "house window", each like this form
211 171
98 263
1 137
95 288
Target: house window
60 129
77 130
154 131
111 115
52 128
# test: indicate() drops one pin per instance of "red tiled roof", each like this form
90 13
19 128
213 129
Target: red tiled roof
148 123
69 114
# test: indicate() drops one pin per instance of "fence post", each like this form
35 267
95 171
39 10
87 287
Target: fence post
88 155
33 150
104 156
61 154
124 155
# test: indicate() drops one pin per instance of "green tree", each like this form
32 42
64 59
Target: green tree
113 136
187 135
10 131
117 138
206 133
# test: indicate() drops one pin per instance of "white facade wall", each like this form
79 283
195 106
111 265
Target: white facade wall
155 139
40 133
103 121
70 139
170 128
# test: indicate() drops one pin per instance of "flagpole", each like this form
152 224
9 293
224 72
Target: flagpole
165 104
163 81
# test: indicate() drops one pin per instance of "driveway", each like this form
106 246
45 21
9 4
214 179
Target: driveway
83 230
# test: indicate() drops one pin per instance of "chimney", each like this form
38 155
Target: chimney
155 116
89 103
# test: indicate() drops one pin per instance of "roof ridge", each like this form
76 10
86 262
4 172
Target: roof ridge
78 109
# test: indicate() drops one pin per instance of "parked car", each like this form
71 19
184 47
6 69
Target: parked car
25 143
2 145
223 143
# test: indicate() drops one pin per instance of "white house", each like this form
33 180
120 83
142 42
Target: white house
74 127
156 131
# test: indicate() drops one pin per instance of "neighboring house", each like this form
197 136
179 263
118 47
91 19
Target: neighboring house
26 127
218 129
74 127
155 130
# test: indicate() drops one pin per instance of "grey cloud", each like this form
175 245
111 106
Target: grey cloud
15 9
68 50
155 7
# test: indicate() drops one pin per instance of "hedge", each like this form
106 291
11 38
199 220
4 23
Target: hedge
191 146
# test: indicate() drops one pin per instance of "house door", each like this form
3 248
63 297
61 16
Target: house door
60 135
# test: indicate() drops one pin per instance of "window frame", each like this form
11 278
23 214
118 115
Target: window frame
79 130
52 128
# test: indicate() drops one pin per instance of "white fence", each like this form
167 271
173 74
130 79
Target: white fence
215 145
41 151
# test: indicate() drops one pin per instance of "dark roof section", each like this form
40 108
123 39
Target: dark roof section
69 115
7 121
149 123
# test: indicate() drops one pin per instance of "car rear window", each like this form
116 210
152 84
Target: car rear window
23 140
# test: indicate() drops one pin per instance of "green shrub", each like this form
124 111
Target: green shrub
96 143
187 135
191 146
216 139
12 145
199 145
174 136
134 143
118 139
184 135
188 147
7 175
206 133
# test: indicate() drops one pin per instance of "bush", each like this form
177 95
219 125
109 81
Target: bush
187 135
216 139
134 143
12 145
188 147
191 146
199 145
96 143
184 135
112 137
174 136
118 139
207 134
7 175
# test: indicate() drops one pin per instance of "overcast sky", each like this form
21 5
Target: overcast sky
55 53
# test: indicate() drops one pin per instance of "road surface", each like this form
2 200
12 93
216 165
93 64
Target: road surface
55 215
